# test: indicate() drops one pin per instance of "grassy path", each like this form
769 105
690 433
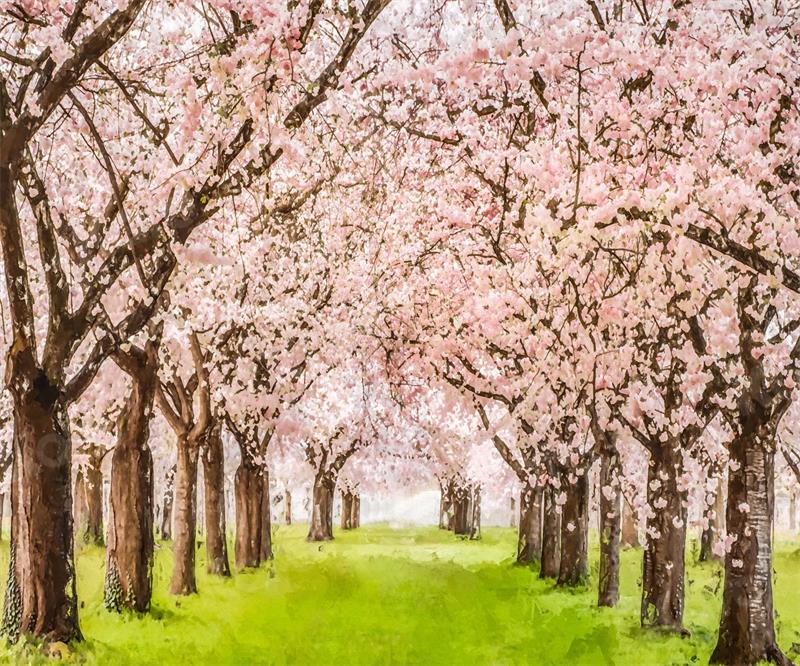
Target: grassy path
411 596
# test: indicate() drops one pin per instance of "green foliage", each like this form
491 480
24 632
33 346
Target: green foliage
112 592
12 604
382 596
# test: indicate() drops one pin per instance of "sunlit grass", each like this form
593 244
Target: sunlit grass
411 596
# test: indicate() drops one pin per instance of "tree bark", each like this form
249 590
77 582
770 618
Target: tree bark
265 548
461 510
446 505
93 487
551 536
249 490
200 503
183 579
529 541
714 529
40 595
346 518
747 624
287 509
706 541
80 511
610 529
630 532
169 498
475 513
214 497
574 566
664 550
321 528
356 518
129 555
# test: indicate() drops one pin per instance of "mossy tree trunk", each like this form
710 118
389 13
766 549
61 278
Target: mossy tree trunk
129 554
40 594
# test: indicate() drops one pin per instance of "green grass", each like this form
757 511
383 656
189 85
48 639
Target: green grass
411 596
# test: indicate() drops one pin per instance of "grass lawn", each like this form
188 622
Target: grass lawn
410 596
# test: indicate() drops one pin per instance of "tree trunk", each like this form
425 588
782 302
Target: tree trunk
461 510
630 533
529 542
40 595
713 532
80 511
574 567
747 625
183 575
446 505
166 511
249 490
610 529
475 513
706 541
346 518
287 509
664 550
551 536
512 522
214 496
93 486
129 555
356 518
200 503
718 535
707 533
265 550
321 528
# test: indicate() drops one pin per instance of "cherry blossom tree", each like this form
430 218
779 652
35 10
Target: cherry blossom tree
55 102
